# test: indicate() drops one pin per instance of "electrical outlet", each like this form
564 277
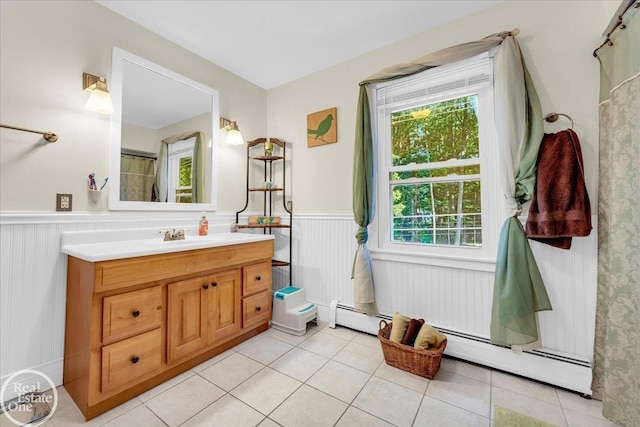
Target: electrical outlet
63 202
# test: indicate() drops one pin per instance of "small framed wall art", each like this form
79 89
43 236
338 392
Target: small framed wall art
322 127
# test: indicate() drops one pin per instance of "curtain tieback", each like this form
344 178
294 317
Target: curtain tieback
512 207
362 235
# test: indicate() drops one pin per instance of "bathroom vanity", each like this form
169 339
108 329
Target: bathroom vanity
140 310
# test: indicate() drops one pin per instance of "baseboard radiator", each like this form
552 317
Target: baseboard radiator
543 365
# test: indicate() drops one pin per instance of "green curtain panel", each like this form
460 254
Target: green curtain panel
616 357
364 196
518 291
364 175
197 171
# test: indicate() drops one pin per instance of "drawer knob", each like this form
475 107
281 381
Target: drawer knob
135 359
214 284
258 308
258 277
205 286
135 313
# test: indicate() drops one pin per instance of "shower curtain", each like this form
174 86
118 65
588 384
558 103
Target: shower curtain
616 366
136 179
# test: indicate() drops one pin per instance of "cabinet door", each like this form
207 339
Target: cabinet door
187 317
224 305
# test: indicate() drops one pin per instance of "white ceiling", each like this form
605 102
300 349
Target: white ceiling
270 43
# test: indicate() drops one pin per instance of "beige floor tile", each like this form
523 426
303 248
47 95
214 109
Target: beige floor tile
340 332
403 378
184 400
231 371
391 402
368 340
340 381
150 394
138 416
326 345
583 419
251 341
215 359
299 364
224 412
530 388
70 415
469 370
266 350
290 338
526 405
436 412
266 390
463 392
309 407
577 403
64 399
360 357
355 417
268 423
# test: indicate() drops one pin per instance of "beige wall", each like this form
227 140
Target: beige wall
45 46
557 39
140 138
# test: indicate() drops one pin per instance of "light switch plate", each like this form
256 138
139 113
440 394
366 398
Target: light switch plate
63 202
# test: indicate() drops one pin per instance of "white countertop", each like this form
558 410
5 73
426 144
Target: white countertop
103 245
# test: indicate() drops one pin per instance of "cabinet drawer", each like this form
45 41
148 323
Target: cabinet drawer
256 309
257 278
130 313
129 360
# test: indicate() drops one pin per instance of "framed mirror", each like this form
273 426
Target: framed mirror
163 138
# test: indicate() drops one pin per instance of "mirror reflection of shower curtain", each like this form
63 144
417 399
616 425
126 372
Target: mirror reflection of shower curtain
136 178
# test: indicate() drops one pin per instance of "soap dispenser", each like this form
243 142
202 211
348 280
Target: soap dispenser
203 229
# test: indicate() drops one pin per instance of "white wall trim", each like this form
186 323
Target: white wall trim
52 369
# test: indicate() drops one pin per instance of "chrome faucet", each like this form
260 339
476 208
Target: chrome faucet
176 235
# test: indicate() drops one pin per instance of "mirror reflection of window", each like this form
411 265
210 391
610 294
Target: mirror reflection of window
180 171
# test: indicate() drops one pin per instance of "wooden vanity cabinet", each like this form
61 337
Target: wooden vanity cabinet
202 311
133 323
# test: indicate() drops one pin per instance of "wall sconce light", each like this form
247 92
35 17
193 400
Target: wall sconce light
234 137
100 100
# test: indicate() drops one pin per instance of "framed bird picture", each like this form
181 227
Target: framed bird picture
322 127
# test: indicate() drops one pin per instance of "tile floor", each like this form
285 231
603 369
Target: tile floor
332 377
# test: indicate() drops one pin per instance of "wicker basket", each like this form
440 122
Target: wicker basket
415 360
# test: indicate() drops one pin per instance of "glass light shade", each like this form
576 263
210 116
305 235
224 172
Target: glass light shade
100 102
234 137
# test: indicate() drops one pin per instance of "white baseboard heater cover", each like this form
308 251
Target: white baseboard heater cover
543 365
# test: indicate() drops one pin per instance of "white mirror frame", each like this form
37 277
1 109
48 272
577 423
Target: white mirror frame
115 138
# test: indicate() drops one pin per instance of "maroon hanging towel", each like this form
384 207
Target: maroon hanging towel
560 207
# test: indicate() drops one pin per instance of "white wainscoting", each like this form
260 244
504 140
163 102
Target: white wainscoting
33 285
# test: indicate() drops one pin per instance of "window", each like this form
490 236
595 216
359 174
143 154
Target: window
437 189
180 171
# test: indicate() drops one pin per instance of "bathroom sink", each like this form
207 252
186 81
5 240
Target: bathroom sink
102 245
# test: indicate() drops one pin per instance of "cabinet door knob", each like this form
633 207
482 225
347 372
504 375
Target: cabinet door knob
135 313
135 359
205 286
214 284
258 308
258 277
